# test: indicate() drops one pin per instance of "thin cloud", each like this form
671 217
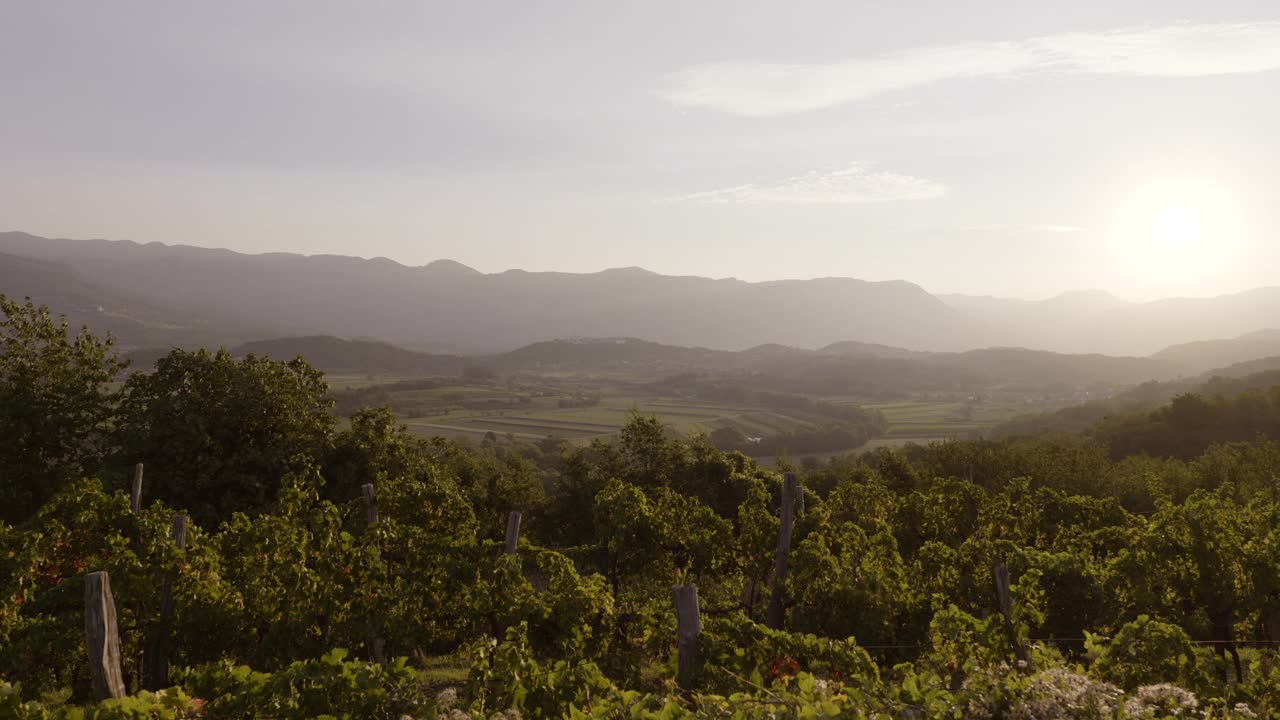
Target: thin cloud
1014 228
763 89
858 183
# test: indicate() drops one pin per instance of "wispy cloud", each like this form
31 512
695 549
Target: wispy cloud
1041 228
857 183
1186 50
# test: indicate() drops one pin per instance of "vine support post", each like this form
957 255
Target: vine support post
1006 609
135 494
688 627
776 616
156 656
370 503
102 637
377 644
513 531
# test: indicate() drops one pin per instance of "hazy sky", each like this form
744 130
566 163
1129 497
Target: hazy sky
1010 148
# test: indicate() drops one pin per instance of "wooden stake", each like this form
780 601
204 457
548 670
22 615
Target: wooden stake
156 657
370 504
102 637
378 645
688 627
513 531
135 497
776 615
1006 609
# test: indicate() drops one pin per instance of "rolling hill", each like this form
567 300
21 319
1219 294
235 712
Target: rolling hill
1222 353
156 294
447 307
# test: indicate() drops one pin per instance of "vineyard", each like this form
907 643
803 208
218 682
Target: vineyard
206 541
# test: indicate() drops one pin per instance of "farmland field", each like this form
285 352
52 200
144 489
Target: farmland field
579 408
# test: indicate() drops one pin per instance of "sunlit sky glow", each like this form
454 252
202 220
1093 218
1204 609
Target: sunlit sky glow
980 147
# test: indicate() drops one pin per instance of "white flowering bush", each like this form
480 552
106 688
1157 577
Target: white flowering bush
1161 701
1060 694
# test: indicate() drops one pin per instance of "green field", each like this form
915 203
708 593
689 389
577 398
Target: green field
924 420
532 410
541 418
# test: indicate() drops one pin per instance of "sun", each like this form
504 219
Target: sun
1178 227
1173 233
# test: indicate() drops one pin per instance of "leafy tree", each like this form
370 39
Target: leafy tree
55 404
217 434
1146 651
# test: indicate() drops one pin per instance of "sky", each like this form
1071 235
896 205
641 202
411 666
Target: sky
1017 149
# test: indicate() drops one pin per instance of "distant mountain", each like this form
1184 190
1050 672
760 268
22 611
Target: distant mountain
279 294
611 354
853 347
823 371
1014 366
766 367
335 355
156 295
1205 354
83 301
1247 368
1094 321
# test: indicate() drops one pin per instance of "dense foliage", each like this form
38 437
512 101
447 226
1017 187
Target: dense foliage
1141 588
54 404
1178 418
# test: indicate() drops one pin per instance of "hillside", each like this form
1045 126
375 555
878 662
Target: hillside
770 366
85 302
214 296
336 355
1145 397
611 354
1093 321
1221 353
450 307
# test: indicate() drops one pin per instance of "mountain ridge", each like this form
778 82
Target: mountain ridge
227 297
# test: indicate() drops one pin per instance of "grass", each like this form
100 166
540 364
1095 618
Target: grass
529 410
442 671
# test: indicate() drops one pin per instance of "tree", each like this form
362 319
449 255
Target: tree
55 404
217 434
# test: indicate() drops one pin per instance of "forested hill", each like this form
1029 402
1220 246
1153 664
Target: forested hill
159 294
885 371
1176 419
267 560
1222 353
446 306
355 356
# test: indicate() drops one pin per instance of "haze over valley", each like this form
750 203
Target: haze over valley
653 360
155 294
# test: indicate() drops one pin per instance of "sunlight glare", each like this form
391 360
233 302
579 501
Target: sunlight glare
1174 233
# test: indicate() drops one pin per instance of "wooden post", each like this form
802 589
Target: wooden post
370 504
155 658
135 497
378 645
513 531
688 627
1006 609
178 533
777 613
102 637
